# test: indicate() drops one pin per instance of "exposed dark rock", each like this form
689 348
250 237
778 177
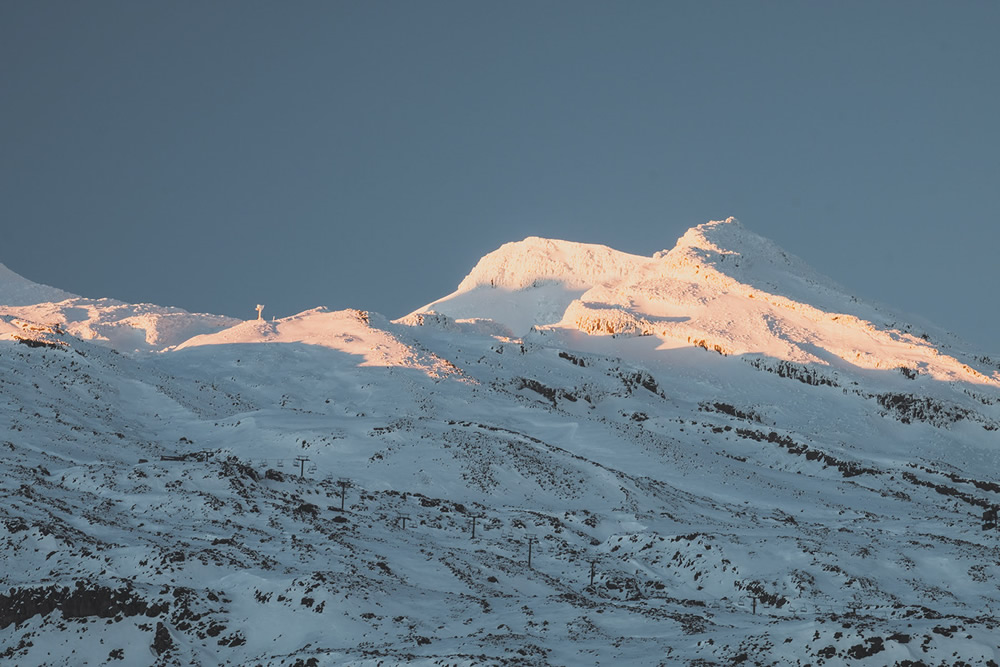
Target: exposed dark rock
162 642
870 647
787 369
84 600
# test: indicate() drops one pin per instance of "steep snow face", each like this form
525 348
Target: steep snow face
731 258
16 290
745 256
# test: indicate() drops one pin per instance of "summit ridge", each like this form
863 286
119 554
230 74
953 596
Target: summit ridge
535 260
721 286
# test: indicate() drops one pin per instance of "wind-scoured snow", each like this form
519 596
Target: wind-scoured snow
756 468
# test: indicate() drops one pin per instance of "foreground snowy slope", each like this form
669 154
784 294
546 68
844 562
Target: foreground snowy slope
713 454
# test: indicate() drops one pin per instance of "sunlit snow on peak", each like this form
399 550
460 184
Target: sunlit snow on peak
722 287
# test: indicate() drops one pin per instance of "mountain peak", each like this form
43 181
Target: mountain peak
713 241
533 282
718 235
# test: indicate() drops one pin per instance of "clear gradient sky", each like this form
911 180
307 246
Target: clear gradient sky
216 155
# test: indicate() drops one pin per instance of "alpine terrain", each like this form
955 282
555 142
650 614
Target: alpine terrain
712 455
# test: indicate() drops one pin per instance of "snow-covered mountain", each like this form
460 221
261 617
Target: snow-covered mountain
713 455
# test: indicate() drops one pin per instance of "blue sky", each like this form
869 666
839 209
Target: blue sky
365 154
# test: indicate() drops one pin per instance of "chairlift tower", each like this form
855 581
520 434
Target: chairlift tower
474 517
343 483
531 539
302 460
260 309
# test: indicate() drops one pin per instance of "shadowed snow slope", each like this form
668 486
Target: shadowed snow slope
714 455
18 291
